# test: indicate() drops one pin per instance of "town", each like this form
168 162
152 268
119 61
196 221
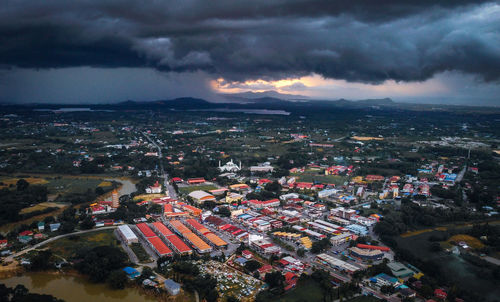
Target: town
217 207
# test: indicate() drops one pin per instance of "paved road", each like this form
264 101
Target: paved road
38 245
168 186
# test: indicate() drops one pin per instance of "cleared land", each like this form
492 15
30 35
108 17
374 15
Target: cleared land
42 206
68 246
189 189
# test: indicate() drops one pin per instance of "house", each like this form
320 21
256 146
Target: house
265 167
3 243
177 180
131 272
439 293
290 280
41 226
172 287
240 261
247 254
154 189
263 270
54 226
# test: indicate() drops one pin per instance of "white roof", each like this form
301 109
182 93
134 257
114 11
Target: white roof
127 232
200 194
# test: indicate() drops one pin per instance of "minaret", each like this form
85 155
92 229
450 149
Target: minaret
115 202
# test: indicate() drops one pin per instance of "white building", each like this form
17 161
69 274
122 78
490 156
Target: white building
230 166
264 167
127 234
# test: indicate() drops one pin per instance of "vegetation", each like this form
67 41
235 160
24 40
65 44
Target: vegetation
99 262
22 294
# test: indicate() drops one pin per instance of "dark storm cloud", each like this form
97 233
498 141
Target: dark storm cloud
365 41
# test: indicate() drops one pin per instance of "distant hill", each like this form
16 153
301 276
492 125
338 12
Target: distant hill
250 96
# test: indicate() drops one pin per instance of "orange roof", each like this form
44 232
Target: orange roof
179 226
162 228
215 239
197 242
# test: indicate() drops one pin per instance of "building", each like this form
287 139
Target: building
154 189
127 234
196 181
257 204
233 197
357 229
115 201
230 166
400 270
366 254
385 280
201 196
265 247
172 287
131 272
265 167
330 263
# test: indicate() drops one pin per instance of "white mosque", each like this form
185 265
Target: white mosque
230 166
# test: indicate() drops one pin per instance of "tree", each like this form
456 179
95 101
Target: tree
22 184
275 280
117 279
87 223
301 252
252 265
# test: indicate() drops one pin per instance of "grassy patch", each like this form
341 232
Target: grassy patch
187 190
148 196
7 181
471 241
139 251
68 185
68 246
41 206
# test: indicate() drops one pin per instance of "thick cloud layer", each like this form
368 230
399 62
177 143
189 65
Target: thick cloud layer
360 41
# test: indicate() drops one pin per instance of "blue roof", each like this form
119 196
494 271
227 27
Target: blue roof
241 260
131 271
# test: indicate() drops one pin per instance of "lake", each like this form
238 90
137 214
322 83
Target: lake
74 288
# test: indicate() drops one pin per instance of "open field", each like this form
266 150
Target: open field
8 181
367 138
189 189
67 247
42 206
459 270
471 241
4 229
148 196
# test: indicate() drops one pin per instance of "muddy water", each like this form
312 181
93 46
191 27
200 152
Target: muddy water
74 288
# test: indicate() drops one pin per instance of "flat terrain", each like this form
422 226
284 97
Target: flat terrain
189 189
67 247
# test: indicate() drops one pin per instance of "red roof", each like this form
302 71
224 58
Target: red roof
265 268
162 228
159 246
146 230
26 233
177 179
373 247
178 244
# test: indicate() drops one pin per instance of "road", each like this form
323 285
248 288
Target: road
38 245
168 186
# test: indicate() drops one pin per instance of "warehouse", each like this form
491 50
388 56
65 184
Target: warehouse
171 239
213 239
366 254
160 248
199 245
127 235
331 263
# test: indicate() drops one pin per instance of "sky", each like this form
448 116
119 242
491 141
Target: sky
104 51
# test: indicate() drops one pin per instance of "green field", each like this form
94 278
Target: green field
68 246
139 251
72 184
187 190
